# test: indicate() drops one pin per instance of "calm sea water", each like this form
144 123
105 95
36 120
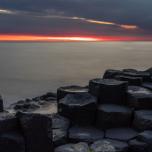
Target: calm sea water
31 69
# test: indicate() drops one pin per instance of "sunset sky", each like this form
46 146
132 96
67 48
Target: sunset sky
75 20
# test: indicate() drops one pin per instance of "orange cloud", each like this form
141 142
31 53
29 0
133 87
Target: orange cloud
129 27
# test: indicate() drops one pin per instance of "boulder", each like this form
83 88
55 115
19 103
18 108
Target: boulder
79 108
102 146
109 90
59 137
37 132
12 142
143 120
122 134
85 134
137 146
8 122
131 80
79 147
139 97
110 116
63 91
110 73
1 104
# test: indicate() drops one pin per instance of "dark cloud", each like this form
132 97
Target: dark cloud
31 17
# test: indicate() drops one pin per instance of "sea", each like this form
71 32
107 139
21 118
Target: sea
32 69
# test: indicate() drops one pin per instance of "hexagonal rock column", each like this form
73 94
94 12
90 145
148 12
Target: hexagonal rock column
139 97
131 80
137 146
110 73
102 146
60 127
1 104
109 90
110 116
79 147
122 134
147 85
85 134
143 120
8 122
119 146
63 91
79 108
37 132
12 142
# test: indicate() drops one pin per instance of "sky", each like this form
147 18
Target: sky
72 20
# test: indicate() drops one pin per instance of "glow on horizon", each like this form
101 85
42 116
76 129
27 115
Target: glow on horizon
36 38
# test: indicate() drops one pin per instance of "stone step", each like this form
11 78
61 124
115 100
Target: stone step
85 134
79 108
147 85
111 116
122 134
109 90
143 120
111 73
63 91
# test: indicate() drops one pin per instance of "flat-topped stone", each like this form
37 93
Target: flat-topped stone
85 134
79 108
122 134
79 147
63 91
111 73
109 90
145 136
147 85
102 146
143 120
110 116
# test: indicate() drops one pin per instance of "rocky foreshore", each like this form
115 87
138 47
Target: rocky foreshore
111 114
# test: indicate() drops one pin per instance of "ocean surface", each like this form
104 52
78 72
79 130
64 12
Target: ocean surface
31 69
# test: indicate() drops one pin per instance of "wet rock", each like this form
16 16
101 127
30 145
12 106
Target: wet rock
12 142
137 146
109 90
59 137
60 122
37 132
131 80
102 146
8 122
139 97
143 120
1 104
79 108
63 91
110 73
85 134
123 134
79 147
110 116
147 85
130 70
149 70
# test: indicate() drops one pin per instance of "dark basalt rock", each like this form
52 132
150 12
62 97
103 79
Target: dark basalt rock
149 71
139 97
79 147
110 73
137 146
147 85
12 142
85 134
1 104
143 120
102 146
109 90
60 122
59 137
131 80
8 122
63 91
111 116
37 132
122 134
130 70
79 108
